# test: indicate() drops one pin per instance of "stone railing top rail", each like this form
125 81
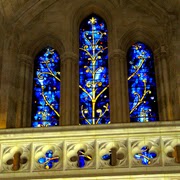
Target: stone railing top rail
128 129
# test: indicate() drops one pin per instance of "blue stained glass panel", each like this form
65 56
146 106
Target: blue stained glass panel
48 160
142 84
46 89
93 69
145 156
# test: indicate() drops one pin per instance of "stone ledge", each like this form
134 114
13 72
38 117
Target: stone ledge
124 129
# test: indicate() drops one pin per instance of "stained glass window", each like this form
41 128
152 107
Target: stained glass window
93 67
46 89
142 84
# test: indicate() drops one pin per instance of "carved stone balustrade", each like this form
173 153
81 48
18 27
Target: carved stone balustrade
115 151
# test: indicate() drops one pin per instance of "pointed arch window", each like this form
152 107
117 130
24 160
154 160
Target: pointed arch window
46 89
141 84
93 75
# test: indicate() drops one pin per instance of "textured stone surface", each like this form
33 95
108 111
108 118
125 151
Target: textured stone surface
27 26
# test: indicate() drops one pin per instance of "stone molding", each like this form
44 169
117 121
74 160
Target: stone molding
120 128
25 59
161 51
69 56
116 53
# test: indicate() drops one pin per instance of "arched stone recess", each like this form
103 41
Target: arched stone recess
118 61
82 11
152 8
32 8
77 16
139 33
152 40
27 53
33 46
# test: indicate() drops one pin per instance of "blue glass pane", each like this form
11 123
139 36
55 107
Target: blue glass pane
106 157
93 70
46 89
48 160
49 154
145 156
142 84
145 161
152 155
81 161
42 160
137 156
48 165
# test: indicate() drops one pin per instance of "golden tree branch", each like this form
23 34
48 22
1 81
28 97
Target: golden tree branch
97 70
101 92
102 114
51 71
136 70
82 111
99 38
99 52
46 101
85 91
88 40
87 53
140 100
87 68
41 73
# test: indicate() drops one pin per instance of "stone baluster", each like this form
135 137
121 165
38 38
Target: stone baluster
118 87
69 89
23 118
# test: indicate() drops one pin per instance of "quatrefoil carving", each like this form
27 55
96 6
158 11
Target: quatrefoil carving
48 157
15 158
113 153
80 155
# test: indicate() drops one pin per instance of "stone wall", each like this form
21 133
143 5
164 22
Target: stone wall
29 27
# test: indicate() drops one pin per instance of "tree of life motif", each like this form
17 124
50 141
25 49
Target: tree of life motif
93 63
141 83
46 89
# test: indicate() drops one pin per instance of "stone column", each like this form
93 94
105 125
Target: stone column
119 109
0 66
163 85
69 89
25 76
174 64
8 92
